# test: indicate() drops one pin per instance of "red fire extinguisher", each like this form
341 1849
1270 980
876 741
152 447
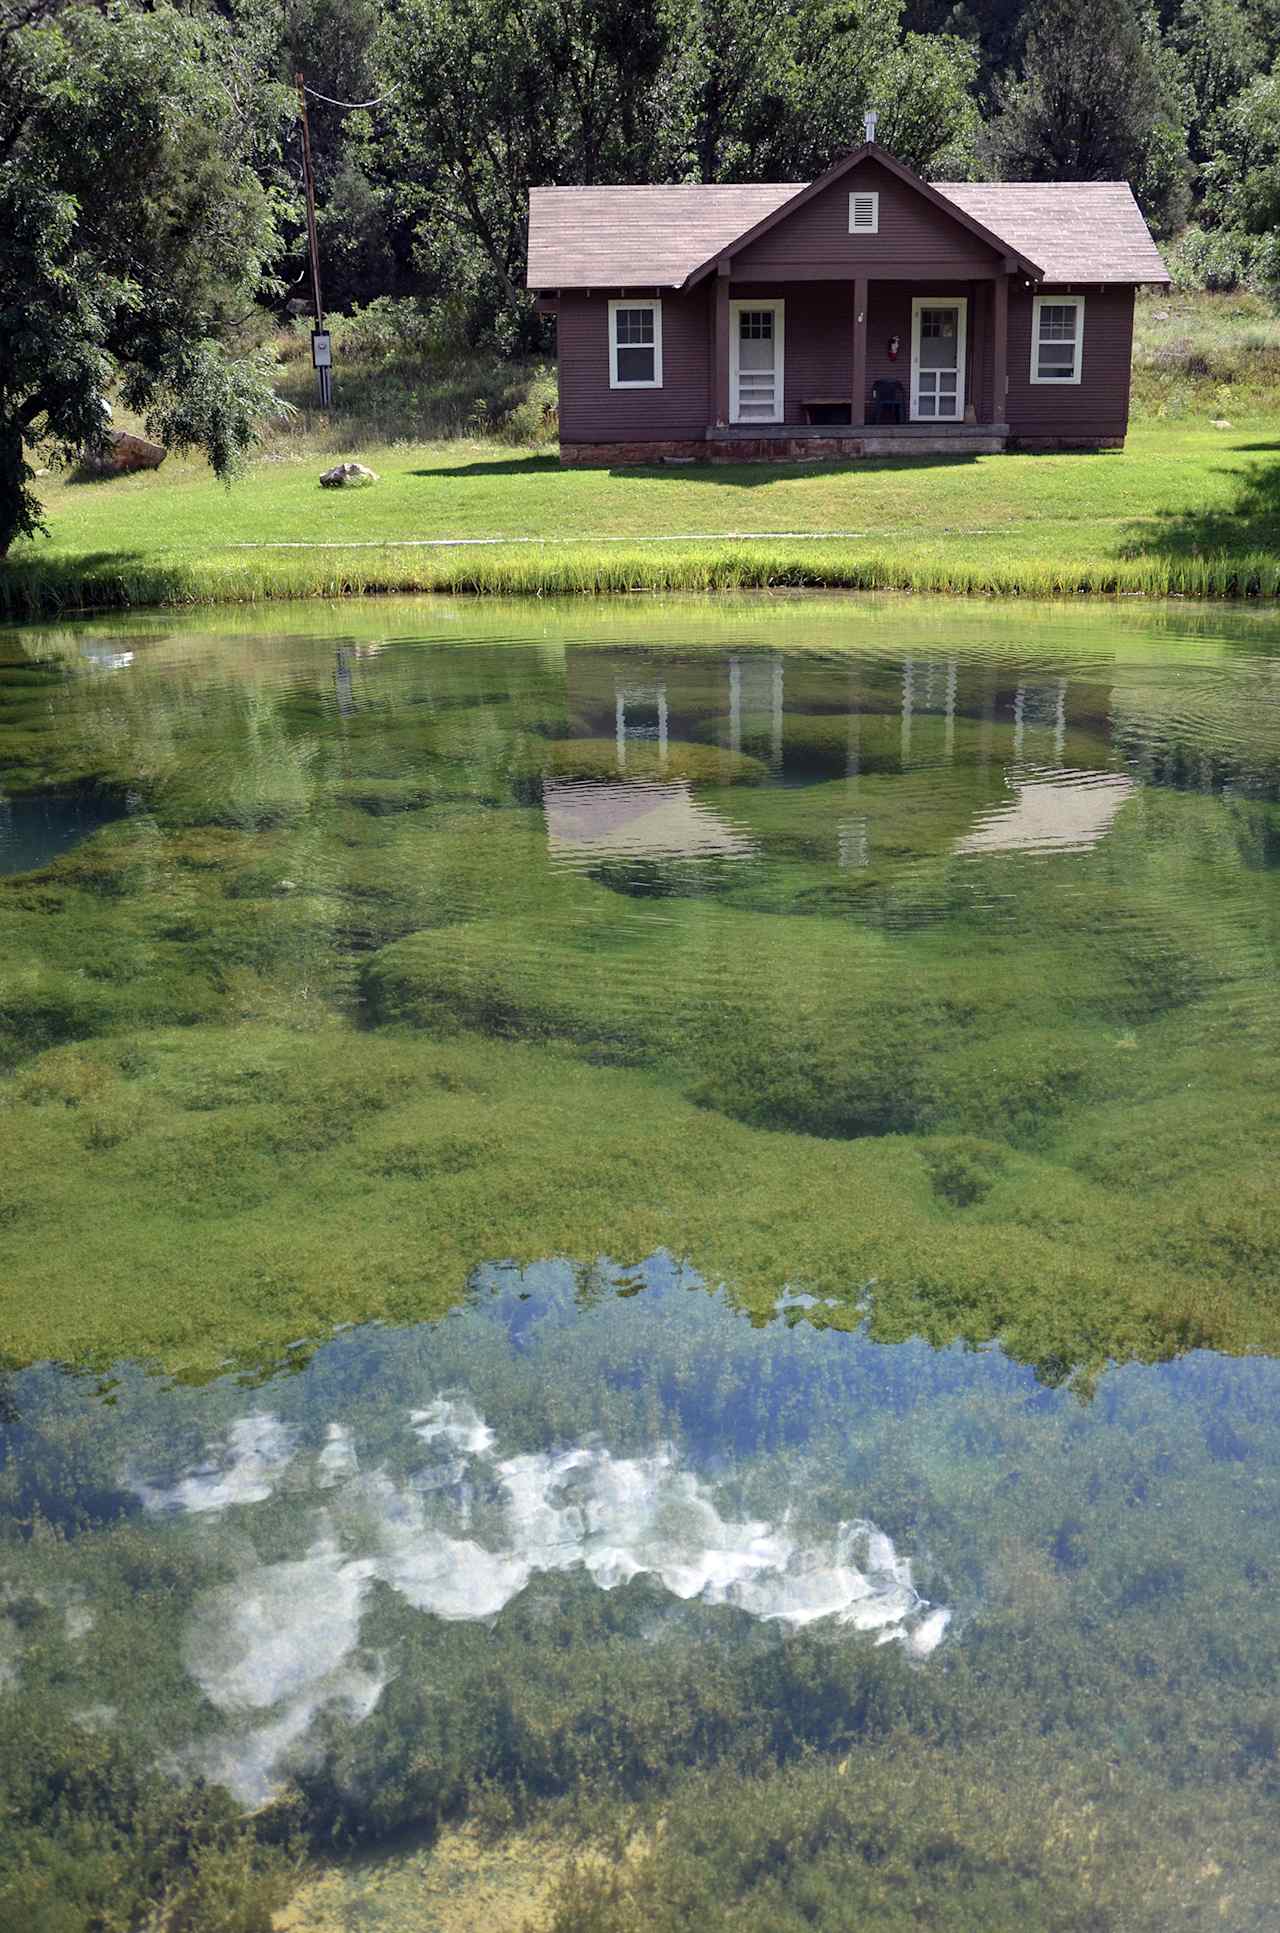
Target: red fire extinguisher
895 343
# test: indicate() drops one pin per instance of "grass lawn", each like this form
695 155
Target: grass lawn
1192 506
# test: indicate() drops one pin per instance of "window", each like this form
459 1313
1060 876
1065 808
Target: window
864 214
635 345
1057 338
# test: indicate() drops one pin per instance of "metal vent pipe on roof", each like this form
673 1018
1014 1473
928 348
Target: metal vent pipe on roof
869 124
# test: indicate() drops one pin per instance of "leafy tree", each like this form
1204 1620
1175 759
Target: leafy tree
1242 180
781 98
1218 54
1096 100
495 96
927 98
366 251
137 234
996 29
1163 178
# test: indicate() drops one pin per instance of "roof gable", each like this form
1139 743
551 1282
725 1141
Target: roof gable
869 151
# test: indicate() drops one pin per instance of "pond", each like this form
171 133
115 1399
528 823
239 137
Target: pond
640 1268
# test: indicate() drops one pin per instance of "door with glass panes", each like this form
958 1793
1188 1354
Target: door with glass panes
938 329
755 362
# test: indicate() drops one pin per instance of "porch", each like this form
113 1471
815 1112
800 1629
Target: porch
899 366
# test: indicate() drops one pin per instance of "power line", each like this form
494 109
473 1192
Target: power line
330 102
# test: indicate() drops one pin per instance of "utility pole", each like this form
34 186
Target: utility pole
321 346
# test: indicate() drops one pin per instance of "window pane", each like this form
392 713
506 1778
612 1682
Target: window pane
1058 322
635 365
634 325
1054 362
755 325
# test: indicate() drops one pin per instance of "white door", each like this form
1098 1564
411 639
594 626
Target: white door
755 362
938 329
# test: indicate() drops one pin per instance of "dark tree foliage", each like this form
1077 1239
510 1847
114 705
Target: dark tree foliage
495 95
1096 100
1218 55
137 234
1242 182
995 28
366 250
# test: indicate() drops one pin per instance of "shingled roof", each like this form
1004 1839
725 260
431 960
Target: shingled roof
597 238
1078 231
651 237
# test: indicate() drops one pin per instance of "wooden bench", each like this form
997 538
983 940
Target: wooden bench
812 404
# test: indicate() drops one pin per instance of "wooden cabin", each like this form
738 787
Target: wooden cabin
868 313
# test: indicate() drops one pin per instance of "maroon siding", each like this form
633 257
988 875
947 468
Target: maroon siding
1095 408
592 412
916 237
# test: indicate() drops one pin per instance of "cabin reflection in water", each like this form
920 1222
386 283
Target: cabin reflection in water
641 821
1050 774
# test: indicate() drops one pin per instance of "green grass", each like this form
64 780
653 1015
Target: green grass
1191 507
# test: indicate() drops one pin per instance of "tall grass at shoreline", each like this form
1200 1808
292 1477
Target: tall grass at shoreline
35 587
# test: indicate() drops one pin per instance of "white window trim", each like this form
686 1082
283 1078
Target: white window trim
873 196
1057 302
637 302
919 303
779 308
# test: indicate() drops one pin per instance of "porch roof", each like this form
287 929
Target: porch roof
665 237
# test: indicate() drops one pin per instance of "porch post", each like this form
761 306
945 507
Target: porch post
858 413
722 345
1000 351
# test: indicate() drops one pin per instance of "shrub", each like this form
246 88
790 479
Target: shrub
1208 259
388 327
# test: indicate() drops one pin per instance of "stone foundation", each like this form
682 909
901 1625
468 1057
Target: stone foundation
620 455
737 448
1046 444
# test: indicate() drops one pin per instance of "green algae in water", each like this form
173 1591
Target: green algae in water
823 943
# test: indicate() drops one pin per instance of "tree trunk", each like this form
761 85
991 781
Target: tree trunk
19 510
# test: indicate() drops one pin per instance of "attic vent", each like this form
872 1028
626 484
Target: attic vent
864 214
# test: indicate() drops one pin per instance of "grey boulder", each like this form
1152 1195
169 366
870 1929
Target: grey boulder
348 476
